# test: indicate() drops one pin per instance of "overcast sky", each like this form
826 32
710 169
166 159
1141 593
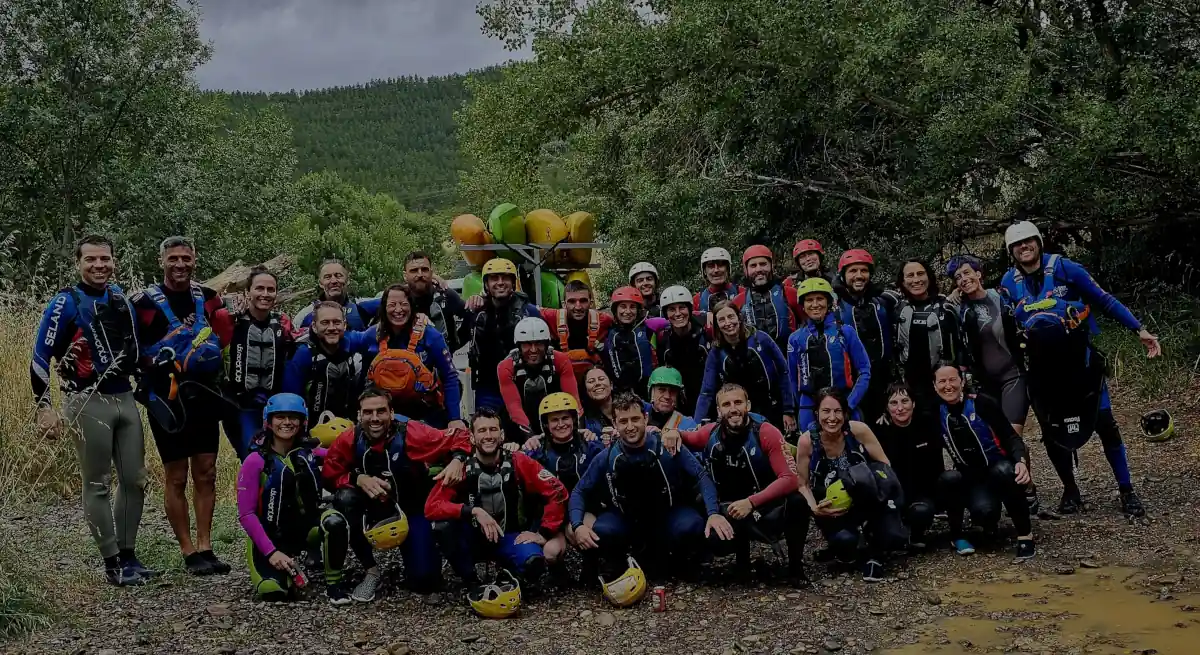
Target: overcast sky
278 45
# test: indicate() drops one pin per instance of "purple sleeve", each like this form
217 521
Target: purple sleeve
657 324
247 503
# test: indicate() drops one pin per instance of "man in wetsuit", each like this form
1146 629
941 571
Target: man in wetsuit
429 296
333 278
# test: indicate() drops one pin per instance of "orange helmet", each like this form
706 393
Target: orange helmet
757 251
807 245
627 294
856 256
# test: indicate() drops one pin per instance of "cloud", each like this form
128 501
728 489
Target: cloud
278 45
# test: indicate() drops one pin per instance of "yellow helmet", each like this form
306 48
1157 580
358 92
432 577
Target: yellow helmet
389 533
559 401
329 427
499 266
837 495
628 588
814 285
498 600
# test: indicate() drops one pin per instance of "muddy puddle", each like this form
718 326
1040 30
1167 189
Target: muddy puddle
1107 611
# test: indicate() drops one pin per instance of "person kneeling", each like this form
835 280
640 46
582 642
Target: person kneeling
279 507
756 485
841 462
990 464
379 475
648 493
514 505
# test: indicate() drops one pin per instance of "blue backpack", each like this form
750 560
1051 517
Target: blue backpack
1048 318
195 348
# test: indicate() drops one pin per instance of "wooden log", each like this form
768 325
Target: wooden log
233 279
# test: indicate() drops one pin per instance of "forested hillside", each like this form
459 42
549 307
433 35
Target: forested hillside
392 136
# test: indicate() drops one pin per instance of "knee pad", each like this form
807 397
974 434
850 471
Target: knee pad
844 541
1003 472
950 478
532 568
920 514
334 523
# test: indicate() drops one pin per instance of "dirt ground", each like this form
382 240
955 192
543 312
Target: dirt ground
1100 584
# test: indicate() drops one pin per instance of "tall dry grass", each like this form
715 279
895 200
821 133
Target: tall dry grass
39 477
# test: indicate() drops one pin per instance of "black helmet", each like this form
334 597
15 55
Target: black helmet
1158 425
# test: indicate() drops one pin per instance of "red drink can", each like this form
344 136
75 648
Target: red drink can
660 599
300 580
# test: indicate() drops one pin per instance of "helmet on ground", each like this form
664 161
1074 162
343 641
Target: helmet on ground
558 401
388 533
1158 425
498 600
814 285
837 495
665 376
329 427
627 294
498 266
628 588
757 251
531 329
807 245
674 294
714 255
958 261
642 267
856 256
284 403
1018 232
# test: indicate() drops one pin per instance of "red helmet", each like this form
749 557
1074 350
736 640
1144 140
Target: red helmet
757 251
807 245
627 294
856 256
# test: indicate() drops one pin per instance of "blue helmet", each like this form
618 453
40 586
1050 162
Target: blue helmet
284 403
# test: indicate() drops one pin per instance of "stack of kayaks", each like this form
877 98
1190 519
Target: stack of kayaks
507 225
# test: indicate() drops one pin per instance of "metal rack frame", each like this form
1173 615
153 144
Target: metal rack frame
530 253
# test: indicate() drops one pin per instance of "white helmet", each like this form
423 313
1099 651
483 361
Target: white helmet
715 255
531 330
1018 232
642 267
674 294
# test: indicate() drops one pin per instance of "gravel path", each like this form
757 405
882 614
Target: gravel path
841 614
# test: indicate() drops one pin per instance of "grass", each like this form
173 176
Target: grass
48 568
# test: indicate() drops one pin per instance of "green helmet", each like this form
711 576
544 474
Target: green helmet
666 376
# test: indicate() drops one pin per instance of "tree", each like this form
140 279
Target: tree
901 126
93 95
371 231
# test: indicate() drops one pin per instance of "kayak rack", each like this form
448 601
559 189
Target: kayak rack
535 255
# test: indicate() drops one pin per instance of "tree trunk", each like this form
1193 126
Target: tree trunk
233 279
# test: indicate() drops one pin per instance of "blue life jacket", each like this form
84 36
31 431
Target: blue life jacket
824 471
1049 312
738 468
824 358
646 483
410 481
106 328
195 348
568 461
969 440
871 320
629 356
283 485
769 312
708 297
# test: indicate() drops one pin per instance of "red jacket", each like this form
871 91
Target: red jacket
422 444
771 440
506 369
444 503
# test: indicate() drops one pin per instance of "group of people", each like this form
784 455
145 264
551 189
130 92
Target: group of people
672 427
